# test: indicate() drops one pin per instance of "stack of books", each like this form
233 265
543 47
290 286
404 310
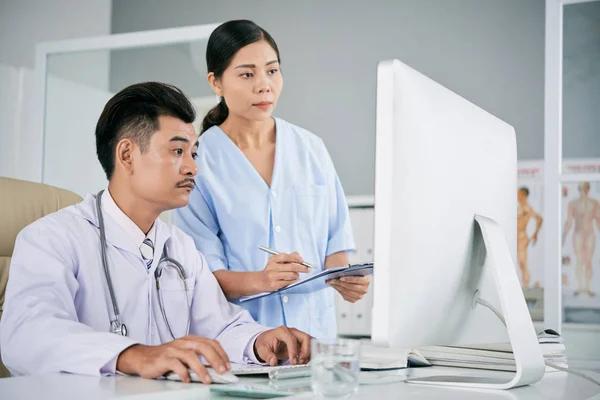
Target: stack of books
498 356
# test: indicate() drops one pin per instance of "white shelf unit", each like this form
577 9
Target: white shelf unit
354 319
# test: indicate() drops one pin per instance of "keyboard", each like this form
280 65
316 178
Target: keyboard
278 371
225 378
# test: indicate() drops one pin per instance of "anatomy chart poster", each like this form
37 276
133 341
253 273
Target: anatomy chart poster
530 230
580 224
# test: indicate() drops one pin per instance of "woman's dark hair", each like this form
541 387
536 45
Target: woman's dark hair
133 113
223 43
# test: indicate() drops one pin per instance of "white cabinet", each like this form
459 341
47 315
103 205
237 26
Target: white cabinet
354 319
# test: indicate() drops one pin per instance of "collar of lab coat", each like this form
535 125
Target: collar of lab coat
115 234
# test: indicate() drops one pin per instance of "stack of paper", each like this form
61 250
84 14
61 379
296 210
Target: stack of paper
497 356
375 358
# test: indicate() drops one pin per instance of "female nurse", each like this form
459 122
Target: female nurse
263 181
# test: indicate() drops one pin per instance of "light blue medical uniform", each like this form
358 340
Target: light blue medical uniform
232 211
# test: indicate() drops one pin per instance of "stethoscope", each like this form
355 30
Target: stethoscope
116 326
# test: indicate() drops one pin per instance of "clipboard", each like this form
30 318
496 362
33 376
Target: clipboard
325 275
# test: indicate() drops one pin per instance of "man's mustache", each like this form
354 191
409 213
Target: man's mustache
187 182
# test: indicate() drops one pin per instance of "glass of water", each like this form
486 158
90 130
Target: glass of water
335 365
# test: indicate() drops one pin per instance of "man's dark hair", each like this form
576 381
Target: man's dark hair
133 113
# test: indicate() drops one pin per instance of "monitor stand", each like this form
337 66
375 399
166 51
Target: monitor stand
528 354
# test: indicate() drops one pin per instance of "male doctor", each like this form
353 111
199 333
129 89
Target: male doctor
59 316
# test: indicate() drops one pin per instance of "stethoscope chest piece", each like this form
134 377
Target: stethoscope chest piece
118 328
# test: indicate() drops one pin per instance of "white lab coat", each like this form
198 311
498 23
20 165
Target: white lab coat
57 308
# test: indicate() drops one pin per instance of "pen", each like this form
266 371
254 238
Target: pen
266 249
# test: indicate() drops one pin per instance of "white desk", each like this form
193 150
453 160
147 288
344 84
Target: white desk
556 385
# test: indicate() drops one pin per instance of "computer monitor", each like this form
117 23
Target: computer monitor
445 226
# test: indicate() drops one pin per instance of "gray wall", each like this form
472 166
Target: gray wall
489 51
25 23
581 80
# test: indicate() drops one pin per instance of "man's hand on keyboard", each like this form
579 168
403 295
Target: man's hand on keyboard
177 356
283 343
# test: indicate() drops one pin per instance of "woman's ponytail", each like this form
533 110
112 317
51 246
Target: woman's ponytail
216 116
